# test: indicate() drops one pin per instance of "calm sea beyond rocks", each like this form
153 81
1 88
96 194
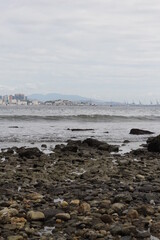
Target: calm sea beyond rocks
83 190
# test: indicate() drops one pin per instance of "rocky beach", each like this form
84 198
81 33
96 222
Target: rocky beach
82 190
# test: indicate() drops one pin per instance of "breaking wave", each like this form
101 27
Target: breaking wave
81 117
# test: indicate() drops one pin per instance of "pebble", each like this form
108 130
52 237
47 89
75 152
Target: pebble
35 216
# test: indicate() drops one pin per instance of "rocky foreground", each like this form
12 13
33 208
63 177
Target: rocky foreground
80 191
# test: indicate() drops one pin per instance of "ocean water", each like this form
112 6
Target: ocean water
28 125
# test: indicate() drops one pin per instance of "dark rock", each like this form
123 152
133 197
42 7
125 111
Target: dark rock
123 197
50 213
106 218
137 131
43 146
29 152
91 142
80 129
94 143
70 148
154 144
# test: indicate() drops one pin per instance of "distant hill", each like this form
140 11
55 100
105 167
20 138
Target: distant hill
73 98
57 96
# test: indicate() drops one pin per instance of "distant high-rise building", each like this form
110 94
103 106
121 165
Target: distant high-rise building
19 96
10 97
5 99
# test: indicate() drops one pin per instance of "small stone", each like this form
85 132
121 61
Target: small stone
118 207
132 214
58 221
106 218
155 229
18 222
140 177
128 230
6 214
123 197
84 208
43 146
103 232
105 204
18 237
29 230
145 210
10 211
75 202
35 216
34 197
63 216
64 204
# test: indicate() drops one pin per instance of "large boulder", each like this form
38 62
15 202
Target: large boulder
94 143
91 142
154 144
136 131
29 152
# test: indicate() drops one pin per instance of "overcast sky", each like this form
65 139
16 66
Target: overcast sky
104 49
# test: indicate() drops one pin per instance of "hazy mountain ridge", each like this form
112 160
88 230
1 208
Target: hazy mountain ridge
73 98
57 96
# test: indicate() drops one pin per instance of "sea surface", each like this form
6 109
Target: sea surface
28 125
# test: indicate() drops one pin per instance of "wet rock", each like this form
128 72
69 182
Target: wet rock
128 229
123 197
75 202
6 214
17 237
116 229
9 211
84 208
29 152
123 230
36 197
80 129
109 148
137 131
118 207
51 213
64 204
155 229
154 144
146 210
140 177
63 216
35 216
43 146
106 218
93 142
19 223
132 214
105 204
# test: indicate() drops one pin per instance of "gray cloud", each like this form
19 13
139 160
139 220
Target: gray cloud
98 48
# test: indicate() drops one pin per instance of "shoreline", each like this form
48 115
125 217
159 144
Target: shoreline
80 191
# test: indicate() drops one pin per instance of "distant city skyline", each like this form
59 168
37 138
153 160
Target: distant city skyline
102 49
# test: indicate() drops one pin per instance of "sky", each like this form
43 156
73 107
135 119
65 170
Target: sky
102 49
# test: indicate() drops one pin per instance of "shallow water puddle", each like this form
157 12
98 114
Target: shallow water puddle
154 238
57 200
46 230
3 159
80 172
